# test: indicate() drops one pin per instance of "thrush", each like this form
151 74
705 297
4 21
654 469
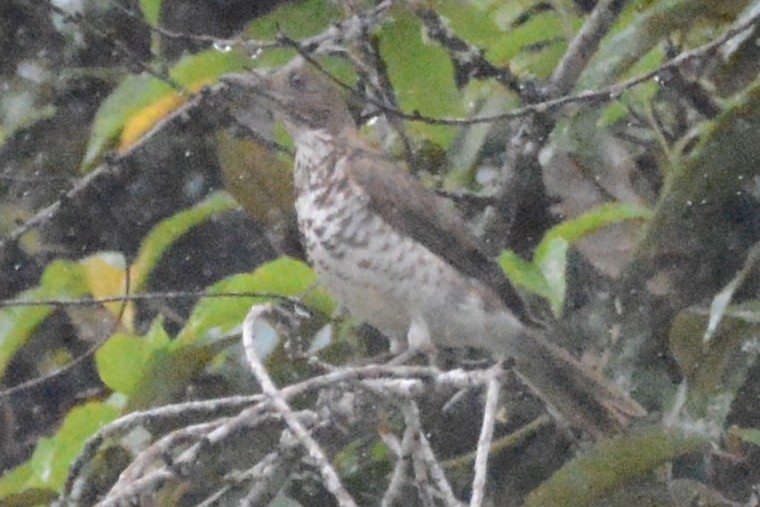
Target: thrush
401 259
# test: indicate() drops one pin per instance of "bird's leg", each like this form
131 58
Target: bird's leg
418 341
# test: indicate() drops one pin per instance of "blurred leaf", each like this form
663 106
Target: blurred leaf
151 10
647 28
751 435
363 465
702 188
545 276
105 274
122 359
192 73
715 370
282 277
539 30
140 122
257 178
550 258
540 63
472 22
29 497
140 101
166 233
553 265
588 479
208 66
296 20
589 222
639 97
61 280
52 457
13 484
415 69
170 369
134 93
524 274
167 372
740 57
487 98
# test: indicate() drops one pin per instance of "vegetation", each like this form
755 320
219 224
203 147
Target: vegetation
608 154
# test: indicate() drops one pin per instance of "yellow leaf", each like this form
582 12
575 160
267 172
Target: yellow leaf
105 275
146 118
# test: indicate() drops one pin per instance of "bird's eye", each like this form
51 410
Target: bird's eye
295 80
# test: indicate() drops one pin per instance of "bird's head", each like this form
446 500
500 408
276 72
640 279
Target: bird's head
306 99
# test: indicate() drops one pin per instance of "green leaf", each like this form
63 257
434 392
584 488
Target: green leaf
138 93
168 372
421 75
610 465
589 222
15 481
121 361
539 64
50 462
637 98
751 435
553 265
133 94
525 275
296 20
170 369
208 66
645 29
545 276
540 29
168 231
151 10
714 370
61 280
471 22
282 277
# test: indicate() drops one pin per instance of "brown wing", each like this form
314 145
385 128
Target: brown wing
416 211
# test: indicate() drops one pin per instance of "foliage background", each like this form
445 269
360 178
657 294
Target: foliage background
629 217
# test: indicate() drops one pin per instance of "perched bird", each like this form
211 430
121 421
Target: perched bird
400 258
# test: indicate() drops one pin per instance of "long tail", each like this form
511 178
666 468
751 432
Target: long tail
576 395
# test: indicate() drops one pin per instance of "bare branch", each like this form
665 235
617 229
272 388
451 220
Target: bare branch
486 435
468 60
583 47
332 480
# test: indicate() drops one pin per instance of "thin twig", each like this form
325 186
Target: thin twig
608 93
80 359
583 46
424 452
486 435
330 476
469 61
425 488
147 486
118 45
605 94
148 296
400 470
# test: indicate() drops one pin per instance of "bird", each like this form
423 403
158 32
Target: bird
399 257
